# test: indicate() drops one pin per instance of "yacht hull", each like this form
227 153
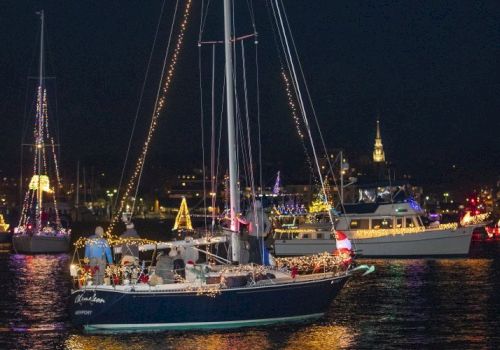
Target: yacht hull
40 244
102 309
426 244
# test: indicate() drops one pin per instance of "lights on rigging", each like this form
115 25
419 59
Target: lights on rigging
161 102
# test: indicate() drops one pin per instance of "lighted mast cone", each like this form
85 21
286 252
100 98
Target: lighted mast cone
183 219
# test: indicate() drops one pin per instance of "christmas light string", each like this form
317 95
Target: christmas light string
154 120
295 116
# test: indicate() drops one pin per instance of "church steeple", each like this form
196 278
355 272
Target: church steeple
378 151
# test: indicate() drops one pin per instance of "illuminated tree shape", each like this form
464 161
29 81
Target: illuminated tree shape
183 219
3 226
319 206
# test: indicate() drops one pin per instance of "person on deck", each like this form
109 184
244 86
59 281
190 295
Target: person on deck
97 250
258 228
130 252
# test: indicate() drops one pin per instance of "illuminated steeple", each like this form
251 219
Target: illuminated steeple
378 151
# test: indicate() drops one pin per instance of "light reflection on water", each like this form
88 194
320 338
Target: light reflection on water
282 337
451 303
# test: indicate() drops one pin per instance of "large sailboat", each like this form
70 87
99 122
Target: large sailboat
39 229
218 292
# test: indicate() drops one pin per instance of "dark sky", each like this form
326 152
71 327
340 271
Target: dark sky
428 68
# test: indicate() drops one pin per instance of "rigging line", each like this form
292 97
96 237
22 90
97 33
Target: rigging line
313 109
258 223
241 142
258 112
24 130
212 144
153 122
252 14
240 131
304 115
235 92
158 108
291 103
202 122
203 19
247 118
200 32
141 95
220 129
289 93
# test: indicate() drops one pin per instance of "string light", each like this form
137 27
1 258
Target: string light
40 183
324 262
363 234
154 120
295 116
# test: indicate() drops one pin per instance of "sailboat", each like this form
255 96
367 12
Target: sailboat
217 293
39 229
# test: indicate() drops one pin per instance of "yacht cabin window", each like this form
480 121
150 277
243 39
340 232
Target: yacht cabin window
359 224
384 223
410 222
399 222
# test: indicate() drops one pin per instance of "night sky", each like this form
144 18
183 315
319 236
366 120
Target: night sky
429 69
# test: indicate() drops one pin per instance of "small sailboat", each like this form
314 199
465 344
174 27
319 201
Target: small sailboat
39 229
217 291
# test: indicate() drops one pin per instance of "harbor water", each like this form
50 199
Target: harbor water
425 304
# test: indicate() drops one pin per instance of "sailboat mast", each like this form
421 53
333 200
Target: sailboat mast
39 141
234 200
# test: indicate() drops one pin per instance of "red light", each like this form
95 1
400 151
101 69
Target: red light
477 212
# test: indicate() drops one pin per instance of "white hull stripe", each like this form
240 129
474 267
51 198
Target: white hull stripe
197 325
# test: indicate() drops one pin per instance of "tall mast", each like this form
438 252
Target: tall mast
39 141
234 200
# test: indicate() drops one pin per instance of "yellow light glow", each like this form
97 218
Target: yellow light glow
42 181
183 219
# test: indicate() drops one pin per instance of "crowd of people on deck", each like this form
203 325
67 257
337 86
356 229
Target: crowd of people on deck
99 255
254 226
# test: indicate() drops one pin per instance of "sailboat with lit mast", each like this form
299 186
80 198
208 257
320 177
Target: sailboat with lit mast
39 229
218 293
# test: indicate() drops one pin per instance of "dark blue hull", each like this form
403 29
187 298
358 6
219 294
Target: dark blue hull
111 310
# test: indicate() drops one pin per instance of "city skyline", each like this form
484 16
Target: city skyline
427 71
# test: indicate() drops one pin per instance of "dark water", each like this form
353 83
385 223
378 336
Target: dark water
425 304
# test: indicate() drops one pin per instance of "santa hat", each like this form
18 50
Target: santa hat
342 241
